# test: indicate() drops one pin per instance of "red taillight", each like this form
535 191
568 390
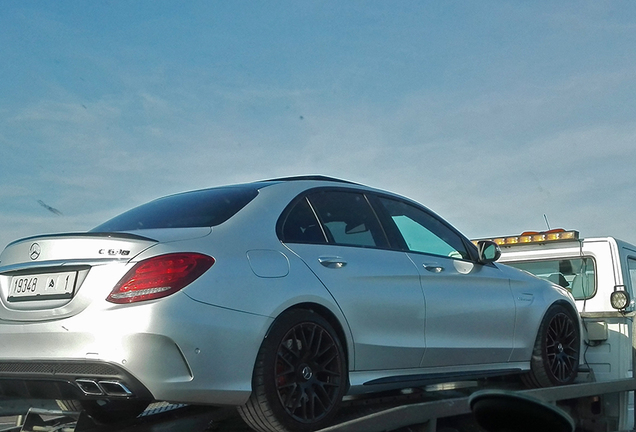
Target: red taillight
159 277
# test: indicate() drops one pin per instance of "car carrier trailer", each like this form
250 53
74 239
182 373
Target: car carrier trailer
588 404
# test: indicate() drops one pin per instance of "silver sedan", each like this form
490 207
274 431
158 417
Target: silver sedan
279 297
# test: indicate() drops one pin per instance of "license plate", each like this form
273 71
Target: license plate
43 286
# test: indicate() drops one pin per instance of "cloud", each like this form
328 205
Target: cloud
489 126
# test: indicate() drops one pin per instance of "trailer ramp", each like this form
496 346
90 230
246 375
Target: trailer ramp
415 412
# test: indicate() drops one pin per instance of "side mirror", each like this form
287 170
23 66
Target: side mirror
488 251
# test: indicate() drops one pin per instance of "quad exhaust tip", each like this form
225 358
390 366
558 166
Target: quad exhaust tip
111 388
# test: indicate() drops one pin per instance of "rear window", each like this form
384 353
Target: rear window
202 208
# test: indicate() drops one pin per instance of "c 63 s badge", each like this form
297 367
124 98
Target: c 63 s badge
114 252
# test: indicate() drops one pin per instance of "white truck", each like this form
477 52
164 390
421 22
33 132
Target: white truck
601 275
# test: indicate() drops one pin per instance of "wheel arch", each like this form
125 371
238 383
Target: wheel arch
570 307
572 310
331 318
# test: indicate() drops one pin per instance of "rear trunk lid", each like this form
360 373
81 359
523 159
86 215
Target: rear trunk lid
59 249
56 276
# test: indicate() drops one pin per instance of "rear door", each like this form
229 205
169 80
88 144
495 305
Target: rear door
470 310
339 237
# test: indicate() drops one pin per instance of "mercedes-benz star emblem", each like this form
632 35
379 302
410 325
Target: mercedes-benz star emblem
34 251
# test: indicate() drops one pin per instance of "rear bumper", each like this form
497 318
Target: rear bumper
69 380
174 349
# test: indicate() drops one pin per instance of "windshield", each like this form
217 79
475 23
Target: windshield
202 208
575 274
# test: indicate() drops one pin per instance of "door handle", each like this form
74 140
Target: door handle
433 268
332 261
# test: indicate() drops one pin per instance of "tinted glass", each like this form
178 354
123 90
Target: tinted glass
575 274
203 208
348 219
423 232
301 225
631 264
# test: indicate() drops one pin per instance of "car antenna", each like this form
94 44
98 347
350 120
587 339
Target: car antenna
546 221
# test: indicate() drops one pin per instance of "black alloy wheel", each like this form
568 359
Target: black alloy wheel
562 348
307 372
555 358
300 376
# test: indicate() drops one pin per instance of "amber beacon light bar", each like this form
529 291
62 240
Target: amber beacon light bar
534 237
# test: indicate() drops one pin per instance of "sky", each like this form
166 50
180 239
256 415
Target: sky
500 116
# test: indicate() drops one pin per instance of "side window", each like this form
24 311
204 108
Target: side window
423 232
301 226
348 219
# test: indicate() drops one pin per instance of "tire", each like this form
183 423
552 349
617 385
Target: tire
555 358
108 411
299 378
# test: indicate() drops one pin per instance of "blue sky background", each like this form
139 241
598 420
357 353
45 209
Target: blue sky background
491 113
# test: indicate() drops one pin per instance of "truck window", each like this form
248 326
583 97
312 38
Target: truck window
631 265
575 274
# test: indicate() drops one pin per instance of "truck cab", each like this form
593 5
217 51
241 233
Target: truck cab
601 275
